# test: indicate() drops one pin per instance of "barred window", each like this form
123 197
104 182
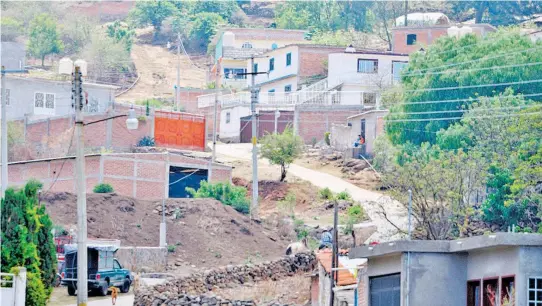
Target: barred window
50 101
39 99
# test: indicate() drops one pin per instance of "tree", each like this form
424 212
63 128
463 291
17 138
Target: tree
204 26
121 33
496 12
461 65
224 8
44 37
282 149
11 28
228 194
386 13
105 57
152 12
290 16
354 215
76 32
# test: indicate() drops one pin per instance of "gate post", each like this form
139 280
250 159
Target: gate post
20 287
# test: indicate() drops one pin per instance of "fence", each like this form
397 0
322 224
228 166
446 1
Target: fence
13 288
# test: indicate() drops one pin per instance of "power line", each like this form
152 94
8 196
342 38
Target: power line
462 110
475 86
62 165
457 118
479 69
473 61
467 99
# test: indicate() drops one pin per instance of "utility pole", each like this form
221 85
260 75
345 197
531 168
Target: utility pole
178 88
334 253
406 12
253 101
82 277
217 90
408 254
4 135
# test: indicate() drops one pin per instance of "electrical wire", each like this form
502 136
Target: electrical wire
457 118
183 178
475 86
62 165
466 100
462 110
478 69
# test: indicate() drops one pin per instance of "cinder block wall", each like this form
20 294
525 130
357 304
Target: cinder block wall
314 122
142 258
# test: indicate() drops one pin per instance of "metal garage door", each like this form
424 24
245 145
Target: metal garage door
180 178
385 290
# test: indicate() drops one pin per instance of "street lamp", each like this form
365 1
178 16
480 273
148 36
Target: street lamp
66 66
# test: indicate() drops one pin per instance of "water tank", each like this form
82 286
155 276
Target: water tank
350 49
83 65
65 66
453 31
464 31
228 39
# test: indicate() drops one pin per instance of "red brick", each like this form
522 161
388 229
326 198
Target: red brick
220 175
123 187
36 170
92 166
150 190
151 170
61 186
63 168
118 167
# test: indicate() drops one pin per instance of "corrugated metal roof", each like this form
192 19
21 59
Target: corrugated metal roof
345 277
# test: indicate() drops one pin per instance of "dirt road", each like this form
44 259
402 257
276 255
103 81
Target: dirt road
369 199
60 297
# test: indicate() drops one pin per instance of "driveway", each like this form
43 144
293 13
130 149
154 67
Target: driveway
370 200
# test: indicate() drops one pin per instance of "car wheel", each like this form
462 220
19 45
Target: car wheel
71 290
125 286
102 291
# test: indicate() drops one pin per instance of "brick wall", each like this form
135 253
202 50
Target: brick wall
424 37
311 60
313 123
140 175
189 99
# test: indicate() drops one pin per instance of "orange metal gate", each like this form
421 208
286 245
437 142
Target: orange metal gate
179 130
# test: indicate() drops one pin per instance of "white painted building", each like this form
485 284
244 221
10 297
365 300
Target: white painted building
230 121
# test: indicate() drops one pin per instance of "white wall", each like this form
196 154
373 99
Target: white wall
343 68
493 262
231 130
281 69
233 83
263 44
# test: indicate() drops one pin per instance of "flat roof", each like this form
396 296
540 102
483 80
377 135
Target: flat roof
37 79
447 246
440 26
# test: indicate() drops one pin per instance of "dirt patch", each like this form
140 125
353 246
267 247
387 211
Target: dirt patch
206 233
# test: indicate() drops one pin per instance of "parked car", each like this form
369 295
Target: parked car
104 270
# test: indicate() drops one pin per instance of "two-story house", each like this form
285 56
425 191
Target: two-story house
234 46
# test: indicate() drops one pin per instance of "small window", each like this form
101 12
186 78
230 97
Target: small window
335 98
287 88
288 59
396 69
44 101
368 98
235 73
490 291
507 288
247 45
228 117
274 46
535 291
410 39
255 68
271 64
271 91
473 293
367 66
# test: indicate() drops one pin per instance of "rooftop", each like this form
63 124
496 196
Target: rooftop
346 276
23 77
447 246
487 27
241 53
261 34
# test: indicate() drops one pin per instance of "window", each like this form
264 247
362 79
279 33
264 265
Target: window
288 59
490 291
335 98
116 265
105 260
473 293
255 68
368 98
410 39
271 64
507 287
7 95
385 290
271 97
247 45
362 131
396 69
228 117
235 73
44 103
535 291
287 88
367 66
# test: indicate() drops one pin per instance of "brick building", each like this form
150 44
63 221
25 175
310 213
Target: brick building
147 176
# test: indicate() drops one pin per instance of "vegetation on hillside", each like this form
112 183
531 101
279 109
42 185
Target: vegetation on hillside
282 149
228 194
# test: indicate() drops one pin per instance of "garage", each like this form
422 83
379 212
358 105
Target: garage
181 177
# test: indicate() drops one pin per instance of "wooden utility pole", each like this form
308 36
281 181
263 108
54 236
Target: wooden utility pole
334 253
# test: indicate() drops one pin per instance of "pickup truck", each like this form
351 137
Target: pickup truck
104 270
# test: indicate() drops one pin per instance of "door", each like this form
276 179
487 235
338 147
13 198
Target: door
362 131
119 276
180 178
385 290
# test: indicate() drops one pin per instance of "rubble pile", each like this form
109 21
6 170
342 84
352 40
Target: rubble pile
175 292
210 300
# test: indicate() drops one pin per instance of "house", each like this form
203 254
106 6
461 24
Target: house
361 75
424 28
234 46
37 98
369 125
346 286
13 55
536 36
481 270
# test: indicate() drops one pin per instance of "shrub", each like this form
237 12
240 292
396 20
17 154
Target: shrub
103 188
171 248
325 194
35 290
313 141
142 119
146 141
344 195
228 194
288 204
327 139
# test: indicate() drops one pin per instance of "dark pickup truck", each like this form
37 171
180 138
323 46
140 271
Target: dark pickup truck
104 270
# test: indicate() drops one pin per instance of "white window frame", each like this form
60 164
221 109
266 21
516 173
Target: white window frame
228 117
363 98
375 65
246 45
44 110
536 301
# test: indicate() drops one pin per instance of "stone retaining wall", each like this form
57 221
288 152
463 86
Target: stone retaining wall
142 259
173 292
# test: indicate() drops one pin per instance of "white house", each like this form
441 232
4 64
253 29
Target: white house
361 75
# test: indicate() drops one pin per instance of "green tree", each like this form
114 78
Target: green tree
228 194
290 16
44 37
224 8
354 215
204 26
121 33
496 12
106 57
460 65
282 149
76 32
11 28
152 13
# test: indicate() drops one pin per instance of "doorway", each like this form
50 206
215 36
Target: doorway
181 177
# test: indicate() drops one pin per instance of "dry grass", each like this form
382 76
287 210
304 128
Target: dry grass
293 290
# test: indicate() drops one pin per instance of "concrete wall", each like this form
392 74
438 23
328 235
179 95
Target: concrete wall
530 265
313 122
384 265
341 136
231 131
280 68
437 279
22 93
374 127
343 68
13 55
493 263
137 258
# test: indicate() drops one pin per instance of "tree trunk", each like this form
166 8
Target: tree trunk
42 60
282 173
480 10
353 237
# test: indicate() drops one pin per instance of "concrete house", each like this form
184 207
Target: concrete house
13 55
476 271
234 46
36 98
369 125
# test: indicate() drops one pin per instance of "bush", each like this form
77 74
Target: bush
35 290
171 248
325 194
327 139
344 195
313 141
288 204
146 141
228 194
103 188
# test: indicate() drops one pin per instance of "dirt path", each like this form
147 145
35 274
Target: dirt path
369 199
157 69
